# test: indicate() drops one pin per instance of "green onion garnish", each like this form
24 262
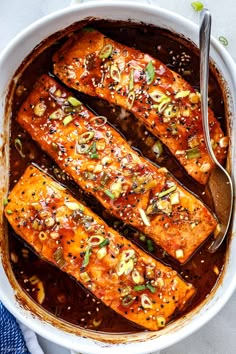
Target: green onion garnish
197 5
139 287
86 257
85 137
150 246
130 99
105 179
59 258
98 121
73 101
193 153
131 80
150 72
142 238
67 119
157 148
19 147
115 73
9 212
104 242
167 191
128 300
5 201
109 194
223 41
58 114
106 51
94 154
151 288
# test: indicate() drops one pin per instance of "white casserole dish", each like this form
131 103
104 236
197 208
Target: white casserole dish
27 312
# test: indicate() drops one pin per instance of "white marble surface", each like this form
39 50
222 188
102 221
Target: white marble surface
218 336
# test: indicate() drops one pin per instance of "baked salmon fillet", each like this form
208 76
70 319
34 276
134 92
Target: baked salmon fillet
130 187
160 98
69 235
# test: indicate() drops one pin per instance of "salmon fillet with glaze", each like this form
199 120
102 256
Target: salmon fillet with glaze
96 156
158 97
69 235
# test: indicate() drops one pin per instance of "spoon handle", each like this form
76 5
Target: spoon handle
204 43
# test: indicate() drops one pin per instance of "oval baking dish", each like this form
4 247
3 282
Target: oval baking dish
11 294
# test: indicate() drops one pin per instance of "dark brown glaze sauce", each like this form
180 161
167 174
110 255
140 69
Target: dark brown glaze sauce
64 297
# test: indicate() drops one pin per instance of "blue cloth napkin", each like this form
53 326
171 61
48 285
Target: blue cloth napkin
11 337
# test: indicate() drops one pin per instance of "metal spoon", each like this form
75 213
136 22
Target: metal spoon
219 183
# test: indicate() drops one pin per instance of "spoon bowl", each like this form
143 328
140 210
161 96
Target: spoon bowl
219 183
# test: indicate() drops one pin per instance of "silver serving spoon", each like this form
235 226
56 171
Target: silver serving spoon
219 183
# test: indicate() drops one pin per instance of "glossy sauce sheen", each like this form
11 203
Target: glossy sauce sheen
157 96
64 297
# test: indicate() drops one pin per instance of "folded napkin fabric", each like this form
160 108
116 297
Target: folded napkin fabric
11 337
15 337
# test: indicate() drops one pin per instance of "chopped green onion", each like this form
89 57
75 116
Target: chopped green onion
58 114
167 191
86 257
109 194
131 80
83 148
116 188
162 101
95 240
139 287
105 179
74 206
67 119
106 51
101 253
223 40
182 94
144 217
130 99
146 302
94 154
5 201
157 148
158 97
104 242
150 246
103 121
174 129
85 137
9 212
151 288
128 300
150 72
85 277
115 73
193 153
69 109
197 5
88 175
19 147
73 101
59 258
142 238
